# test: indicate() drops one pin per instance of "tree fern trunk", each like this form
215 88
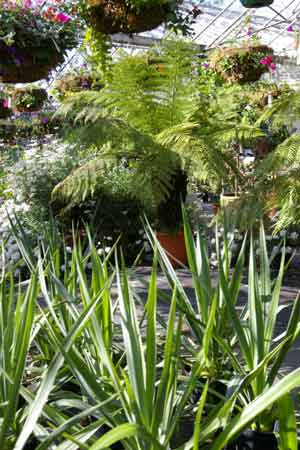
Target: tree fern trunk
169 211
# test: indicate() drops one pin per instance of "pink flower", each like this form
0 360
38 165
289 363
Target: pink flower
290 28
5 103
27 4
62 17
272 67
267 60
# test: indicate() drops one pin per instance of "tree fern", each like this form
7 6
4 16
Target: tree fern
146 94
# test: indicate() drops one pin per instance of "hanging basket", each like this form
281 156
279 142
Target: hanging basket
241 64
256 3
29 100
77 83
5 111
7 132
115 16
28 64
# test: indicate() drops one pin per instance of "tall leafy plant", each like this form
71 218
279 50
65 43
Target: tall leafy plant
146 96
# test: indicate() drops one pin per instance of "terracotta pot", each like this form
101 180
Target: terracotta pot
216 208
174 245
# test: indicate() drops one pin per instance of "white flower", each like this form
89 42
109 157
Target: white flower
68 249
107 249
282 233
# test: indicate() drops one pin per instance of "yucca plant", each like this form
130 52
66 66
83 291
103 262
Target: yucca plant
106 371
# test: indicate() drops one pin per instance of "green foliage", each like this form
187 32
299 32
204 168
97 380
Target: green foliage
103 377
97 48
138 102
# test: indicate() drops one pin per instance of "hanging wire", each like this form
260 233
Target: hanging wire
214 20
228 30
268 25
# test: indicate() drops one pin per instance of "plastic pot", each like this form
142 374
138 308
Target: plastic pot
254 440
174 245
228 199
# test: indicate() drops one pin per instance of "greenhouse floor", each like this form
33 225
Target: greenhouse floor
289 292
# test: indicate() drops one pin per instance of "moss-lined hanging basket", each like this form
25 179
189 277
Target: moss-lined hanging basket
241 64
7 131
5 111
29 99
115 16
72 84
27 64
256 3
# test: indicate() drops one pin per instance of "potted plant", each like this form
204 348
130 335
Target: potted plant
34 39
242 64
169 221
28 99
